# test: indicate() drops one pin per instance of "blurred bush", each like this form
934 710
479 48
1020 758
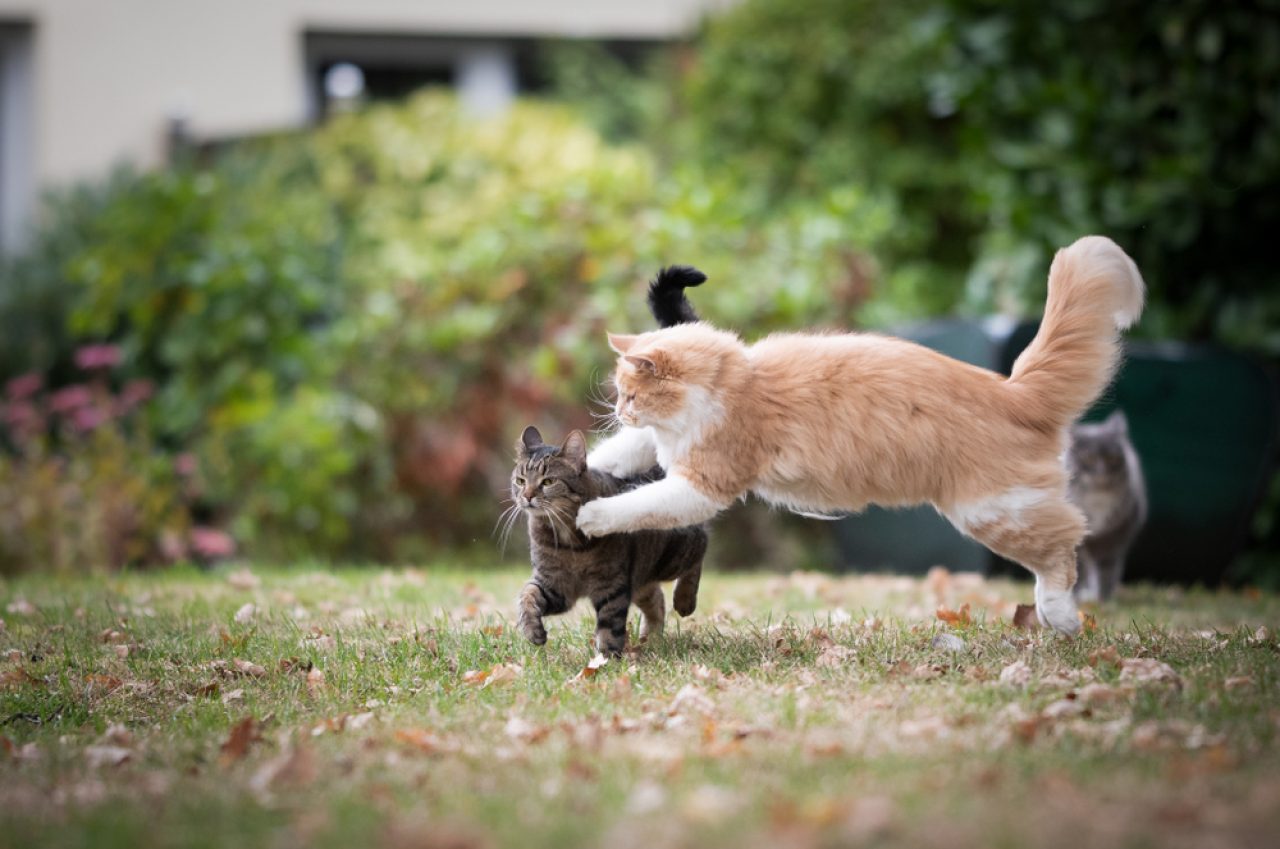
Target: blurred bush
82 485
1004 130
348 327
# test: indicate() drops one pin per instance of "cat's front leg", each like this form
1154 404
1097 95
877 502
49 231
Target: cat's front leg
628 452
535 602
672 502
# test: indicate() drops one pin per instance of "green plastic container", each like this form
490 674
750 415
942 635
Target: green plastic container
1203 420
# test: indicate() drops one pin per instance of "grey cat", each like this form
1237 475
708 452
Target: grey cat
549 484
1107 485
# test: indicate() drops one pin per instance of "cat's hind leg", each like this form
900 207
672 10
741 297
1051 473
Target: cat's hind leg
611 621
653 607
1041 530
1110 571
1089 578
684 598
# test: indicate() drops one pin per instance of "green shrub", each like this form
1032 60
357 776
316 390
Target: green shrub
82 484
1005 130
348 327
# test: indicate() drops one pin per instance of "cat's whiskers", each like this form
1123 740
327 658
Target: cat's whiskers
506 522
556 517
607 421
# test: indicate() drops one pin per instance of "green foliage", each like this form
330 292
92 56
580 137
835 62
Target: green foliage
1003 131
348 327
212 281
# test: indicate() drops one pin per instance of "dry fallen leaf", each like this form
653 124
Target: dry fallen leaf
593 666
248 668
954 617
519 728
232 696
20 677
243 579
109 683
243 734
1106 655
1148 670
246 613
21 607
1088 623
1024 617
504 673
99 756
423 741
1102 694
834 657
1238 682
1016 674
293 768
315 681
691 697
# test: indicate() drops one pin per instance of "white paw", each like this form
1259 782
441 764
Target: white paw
1057 609
608 465
594 520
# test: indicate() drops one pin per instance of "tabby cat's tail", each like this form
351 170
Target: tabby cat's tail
1095 291
666 295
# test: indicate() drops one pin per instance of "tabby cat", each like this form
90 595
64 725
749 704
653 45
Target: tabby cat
611 571
1108 487
549 484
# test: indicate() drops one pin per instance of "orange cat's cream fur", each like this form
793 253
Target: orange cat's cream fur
831 423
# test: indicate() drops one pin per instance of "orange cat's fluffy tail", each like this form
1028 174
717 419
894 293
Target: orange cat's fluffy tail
1095 291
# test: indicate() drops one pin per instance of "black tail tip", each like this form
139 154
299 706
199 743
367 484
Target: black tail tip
677 277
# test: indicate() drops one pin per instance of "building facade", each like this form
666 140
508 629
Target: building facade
88 84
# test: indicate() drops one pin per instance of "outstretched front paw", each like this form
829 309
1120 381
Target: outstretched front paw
595 520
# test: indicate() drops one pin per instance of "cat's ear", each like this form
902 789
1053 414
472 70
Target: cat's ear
574 449
645 364
528 441
1117 423
622 342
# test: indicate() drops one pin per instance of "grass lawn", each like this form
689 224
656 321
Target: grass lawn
373 708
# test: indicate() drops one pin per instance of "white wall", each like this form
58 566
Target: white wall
109 74
17 136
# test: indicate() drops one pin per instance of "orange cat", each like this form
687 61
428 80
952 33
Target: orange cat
831 423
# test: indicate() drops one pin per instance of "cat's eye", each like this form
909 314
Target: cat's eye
519 481
546 482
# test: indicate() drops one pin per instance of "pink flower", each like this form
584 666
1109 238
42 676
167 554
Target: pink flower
70 398
20 414
24 386
185 464
98 356
134 393
211 542
86 419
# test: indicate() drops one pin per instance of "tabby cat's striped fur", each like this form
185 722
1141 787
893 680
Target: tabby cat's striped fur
549 484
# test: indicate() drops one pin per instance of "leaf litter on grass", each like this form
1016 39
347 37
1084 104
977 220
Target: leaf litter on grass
695 713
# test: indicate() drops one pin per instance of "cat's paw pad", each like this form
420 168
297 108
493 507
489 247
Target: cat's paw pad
1056 609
